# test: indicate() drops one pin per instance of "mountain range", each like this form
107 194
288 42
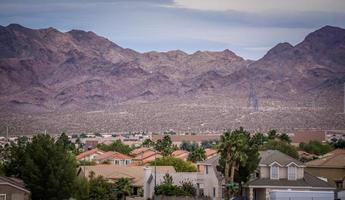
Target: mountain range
47 73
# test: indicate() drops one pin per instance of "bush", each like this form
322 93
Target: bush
179 164
168 189
315 147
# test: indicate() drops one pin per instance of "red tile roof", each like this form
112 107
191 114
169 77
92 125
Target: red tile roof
88 153
111 154
179 153
146 154
139 150
210 152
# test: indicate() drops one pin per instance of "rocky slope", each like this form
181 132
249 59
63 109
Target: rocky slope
48 71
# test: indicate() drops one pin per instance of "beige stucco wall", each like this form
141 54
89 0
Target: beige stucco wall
13 193
265 172
331 174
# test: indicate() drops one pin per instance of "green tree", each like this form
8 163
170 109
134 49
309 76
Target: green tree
47 167
100 188
179 164
67 144
234 146
281 146
315 147
81 188
117 146
148 143
189 146
161 144
14 157
339 144
123 187
197 155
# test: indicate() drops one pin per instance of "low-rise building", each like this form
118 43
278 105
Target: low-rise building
180 154
114 158
114 172
13 189
89 155
278 171
145 157
330 166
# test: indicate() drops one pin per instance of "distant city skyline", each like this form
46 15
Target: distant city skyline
247 27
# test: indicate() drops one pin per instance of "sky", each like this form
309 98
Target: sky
247 27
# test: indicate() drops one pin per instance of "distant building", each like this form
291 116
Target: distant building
145 157
180 154
89 155
13 189
114 158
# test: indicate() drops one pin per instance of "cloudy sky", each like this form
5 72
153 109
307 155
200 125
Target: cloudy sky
247 27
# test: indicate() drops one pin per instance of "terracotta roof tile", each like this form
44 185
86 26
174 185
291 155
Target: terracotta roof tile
88 153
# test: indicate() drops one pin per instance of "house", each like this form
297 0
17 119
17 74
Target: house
152 177
180 154
330 166
198 138
115 158
210 152
209 180
139 150
114 172
280 172
146 156
13 189
89 155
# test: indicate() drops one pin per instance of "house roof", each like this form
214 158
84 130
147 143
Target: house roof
88 153
210 161
270 156
112 154
139 150
14 182
113 172
333 159
179 153
146 154
309 181
210 152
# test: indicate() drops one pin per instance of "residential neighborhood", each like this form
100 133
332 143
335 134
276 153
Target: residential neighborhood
294 170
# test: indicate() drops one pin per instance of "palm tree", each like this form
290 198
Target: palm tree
123 187
197 155
233 145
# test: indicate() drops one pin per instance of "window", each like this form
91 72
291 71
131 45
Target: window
292 173
206 169
274 172
2 196
214 192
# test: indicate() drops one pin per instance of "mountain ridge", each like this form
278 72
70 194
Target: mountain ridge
45 70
